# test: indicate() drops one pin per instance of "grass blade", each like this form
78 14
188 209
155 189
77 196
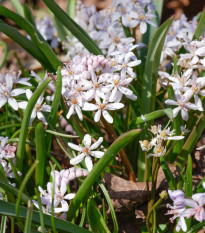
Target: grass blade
117 145
3 60
25 43
25 122
28 222
189 183
34 34
73 27
40 154
28 15
168 174
8 209
151 116
95 218
109 202
201 27
191 141
17 6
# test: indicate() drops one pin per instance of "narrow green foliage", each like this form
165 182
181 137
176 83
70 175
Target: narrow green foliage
188 177
151 116
117 145
28 222
28 15
95 218
73 27
34 34
191 141
5 54
61 30
25 122
201 27
9 188
18 7
40 211
109 202
168 174
70 9
3 224
62 226
152 66
22 187
41 155
25 43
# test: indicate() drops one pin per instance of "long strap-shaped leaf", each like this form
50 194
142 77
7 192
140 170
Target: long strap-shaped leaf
34 34
117 145
152 67
151 116
25 122
25 43
8 209
73 27
191 141
201 27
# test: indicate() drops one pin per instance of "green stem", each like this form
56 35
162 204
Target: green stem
155 168
6 120
147 174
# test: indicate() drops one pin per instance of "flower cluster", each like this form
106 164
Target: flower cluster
47 29
60 182
186 207
86 150
106 26
161 136
94 83
7 152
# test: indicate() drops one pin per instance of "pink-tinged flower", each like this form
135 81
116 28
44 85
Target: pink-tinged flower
197 209
86 151
6 151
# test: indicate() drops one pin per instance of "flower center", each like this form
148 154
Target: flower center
38 106
142 17
102 106
116 39
79 89
113 63
163 134
116 82
159 150
70 72
74 101
97 85
86 150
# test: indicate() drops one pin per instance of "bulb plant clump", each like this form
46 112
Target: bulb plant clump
117 97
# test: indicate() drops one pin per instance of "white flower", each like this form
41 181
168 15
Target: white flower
6 151
102 108
146 145
38 109
158 151
86 151
183 105
7 93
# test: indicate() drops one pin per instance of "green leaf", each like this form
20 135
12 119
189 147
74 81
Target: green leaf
191 141
7 187
152 67
95 218
25 122
188 177
201 27
73 27
3 60
197 227
34 34
8 209
28 222
3 224
70 9
54 108
28 15
61 30
168 174
25 43
40 154
151 116
99 167
17 6
109 202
